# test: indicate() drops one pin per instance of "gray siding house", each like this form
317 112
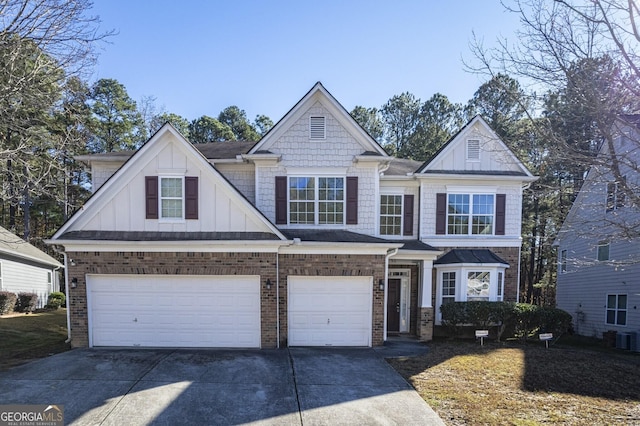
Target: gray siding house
599 244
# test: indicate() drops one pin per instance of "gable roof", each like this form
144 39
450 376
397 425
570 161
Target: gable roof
429 167
318 93
103 194
11 244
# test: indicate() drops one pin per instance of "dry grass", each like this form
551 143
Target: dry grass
515 384
26 337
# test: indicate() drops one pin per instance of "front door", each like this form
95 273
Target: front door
393 306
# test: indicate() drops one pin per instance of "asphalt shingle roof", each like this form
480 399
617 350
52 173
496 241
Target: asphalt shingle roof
11 244
167 236
470 256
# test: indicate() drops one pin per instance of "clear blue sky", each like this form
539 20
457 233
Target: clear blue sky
198 57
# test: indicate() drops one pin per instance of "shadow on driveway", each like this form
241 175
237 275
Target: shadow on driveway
288 386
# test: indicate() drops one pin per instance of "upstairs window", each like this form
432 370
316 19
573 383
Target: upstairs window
390 214
171 198
317 127
171 202
470 214
316 200
615 196
603 252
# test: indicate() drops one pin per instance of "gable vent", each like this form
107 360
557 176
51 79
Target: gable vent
317 127
473 149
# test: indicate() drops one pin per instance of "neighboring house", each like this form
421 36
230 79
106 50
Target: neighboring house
598 244
25 269
314 236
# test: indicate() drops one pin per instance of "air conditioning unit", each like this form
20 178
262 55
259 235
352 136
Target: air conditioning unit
634 342
623 341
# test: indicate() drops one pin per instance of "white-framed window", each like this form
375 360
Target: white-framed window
171 198
473 149
448 287
478 285
1 277
500 294
390 214
616 309
603 252
563 261
616 197
470 214
316 200
317 127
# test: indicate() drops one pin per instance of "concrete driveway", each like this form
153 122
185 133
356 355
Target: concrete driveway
284 387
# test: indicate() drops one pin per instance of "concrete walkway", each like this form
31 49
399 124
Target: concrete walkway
298 386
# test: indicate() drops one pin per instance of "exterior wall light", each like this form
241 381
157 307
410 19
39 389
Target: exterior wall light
268 283
381 284
74 282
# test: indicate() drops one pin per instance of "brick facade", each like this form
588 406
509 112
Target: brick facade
262 264
334 265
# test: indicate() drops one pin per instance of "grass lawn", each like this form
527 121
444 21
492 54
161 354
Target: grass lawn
26 337
515 384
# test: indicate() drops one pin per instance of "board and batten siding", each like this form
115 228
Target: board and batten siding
219 206
18 277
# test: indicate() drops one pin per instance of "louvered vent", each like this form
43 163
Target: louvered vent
473 149
317 127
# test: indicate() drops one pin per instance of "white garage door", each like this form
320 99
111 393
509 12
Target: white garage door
330 311
174 311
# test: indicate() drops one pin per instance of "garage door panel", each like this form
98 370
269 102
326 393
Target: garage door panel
175 311
330 311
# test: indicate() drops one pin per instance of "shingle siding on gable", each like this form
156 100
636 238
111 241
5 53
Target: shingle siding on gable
242 176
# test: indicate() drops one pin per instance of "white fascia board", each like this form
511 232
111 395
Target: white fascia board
408 181
172 246
448 241
338 248
479 177
416 255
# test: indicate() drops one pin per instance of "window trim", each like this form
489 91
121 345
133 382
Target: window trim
471 213
615 198
401 226
616 309
316 199
600 248
161 218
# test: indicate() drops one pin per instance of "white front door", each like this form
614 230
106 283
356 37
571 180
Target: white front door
330 311
174 311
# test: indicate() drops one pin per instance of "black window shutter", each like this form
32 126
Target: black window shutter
191 197
281 200
441 214
500 213
352 200
408 215
151 196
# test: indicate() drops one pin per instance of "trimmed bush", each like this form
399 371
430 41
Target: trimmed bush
7 302
56 295
26 302
511 319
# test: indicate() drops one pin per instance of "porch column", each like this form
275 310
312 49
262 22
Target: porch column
425 327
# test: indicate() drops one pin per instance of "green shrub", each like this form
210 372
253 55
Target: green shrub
454 317
56 295
511 319
26 302
7 302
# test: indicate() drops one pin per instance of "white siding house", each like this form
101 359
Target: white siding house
24 268
599 246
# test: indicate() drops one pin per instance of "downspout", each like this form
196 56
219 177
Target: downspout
278 299
66 299
391 252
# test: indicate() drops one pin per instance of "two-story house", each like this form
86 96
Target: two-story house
598 245
312 236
